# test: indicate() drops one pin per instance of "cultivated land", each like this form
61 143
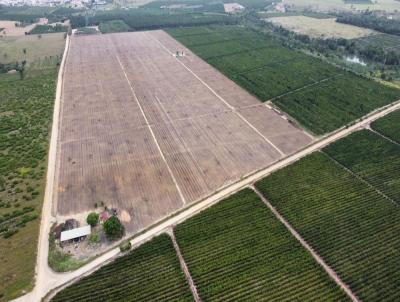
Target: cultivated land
25 115
349 224
238 251
148 133
371 157
149 273
389 126
318 95
235 251
39 51
321 28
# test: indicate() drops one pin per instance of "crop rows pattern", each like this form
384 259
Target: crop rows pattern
389 126
149 273
373 158
321 97
25 113
348 223
238 251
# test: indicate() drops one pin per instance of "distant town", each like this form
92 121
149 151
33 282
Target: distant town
72 3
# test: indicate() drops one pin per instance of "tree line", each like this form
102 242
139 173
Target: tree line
370 20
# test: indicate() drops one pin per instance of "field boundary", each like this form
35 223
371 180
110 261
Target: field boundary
366 182
152 132
383 136
46 213
162 226
185 268
221 98
332 274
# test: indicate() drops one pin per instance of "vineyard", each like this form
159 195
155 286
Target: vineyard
389 126
321 97
348 223
150 273
373 158
238 251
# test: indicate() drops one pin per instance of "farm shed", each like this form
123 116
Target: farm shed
77 233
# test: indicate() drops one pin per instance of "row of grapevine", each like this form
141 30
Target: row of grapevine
348 223
372 157
150 273
318 95
389 126
238 251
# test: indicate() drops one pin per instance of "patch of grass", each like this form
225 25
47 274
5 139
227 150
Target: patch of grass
45 29
149 273
59 261
42 51
86 31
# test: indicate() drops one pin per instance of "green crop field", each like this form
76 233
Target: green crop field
150 273
373 158
389 126
238 251
348 223
336 102
25 112
26 109
319 96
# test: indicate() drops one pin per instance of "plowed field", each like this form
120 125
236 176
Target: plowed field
147 132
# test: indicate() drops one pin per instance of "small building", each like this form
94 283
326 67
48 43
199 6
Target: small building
75 235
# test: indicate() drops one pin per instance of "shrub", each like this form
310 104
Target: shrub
125 246
113 228
94 238
92 219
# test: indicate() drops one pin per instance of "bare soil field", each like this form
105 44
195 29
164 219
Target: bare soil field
321 28
147 132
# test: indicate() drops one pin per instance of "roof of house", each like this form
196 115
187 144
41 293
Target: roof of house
75 233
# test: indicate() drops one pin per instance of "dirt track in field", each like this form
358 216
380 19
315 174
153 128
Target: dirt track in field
146 132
